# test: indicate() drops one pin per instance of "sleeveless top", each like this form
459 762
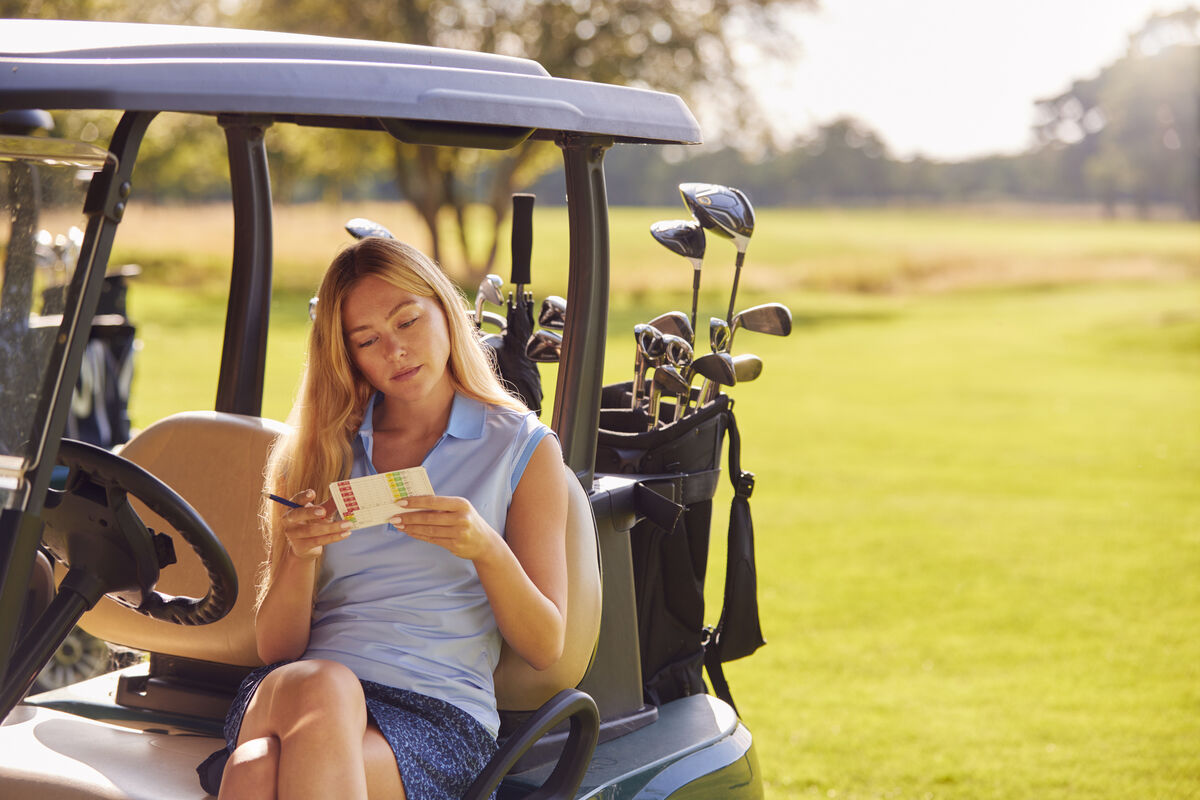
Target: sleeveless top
409 614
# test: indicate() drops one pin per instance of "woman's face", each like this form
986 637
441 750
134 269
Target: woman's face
399 341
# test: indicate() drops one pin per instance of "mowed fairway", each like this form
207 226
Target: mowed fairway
977 509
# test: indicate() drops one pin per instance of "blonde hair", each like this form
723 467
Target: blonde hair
333 394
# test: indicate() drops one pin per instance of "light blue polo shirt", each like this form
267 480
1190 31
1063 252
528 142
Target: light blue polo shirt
409 614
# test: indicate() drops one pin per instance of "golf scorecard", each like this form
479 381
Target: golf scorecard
371 500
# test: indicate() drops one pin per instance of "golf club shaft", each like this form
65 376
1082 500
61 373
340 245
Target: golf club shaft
737 274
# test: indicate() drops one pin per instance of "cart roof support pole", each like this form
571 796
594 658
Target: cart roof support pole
244 355
577 396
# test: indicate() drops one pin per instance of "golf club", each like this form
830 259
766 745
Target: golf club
774 319
553 313
675 322
361 228
746 367
490 290
719 335
685 237
666 378
726 212
716 367
497 320
650 350
544 346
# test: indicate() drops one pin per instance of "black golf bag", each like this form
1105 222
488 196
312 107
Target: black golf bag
100 403
679 467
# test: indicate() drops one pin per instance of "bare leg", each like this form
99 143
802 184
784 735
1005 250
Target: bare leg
316 712
252 770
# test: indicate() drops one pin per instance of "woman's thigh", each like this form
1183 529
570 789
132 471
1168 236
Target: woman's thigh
383 775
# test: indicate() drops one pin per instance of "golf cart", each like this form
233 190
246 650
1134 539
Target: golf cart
157 547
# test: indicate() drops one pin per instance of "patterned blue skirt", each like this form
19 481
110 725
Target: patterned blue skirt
440 749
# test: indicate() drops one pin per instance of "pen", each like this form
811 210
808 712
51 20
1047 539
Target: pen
281 501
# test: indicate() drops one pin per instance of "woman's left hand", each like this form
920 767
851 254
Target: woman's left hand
449 522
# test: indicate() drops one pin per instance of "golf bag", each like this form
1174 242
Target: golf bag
99 411
678 466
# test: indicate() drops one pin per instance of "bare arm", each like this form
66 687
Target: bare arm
284 620
525 577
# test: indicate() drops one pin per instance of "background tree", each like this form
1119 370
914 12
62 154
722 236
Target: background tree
1130 133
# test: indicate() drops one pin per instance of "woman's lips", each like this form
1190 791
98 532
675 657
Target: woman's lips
405 374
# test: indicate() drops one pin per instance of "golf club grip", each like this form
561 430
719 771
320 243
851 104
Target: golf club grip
522 237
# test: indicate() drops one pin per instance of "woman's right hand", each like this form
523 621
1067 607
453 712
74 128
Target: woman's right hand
308 528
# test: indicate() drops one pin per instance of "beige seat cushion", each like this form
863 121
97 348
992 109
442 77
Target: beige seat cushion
51 755
216 462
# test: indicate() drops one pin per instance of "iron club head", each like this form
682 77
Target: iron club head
553 313
490 290
719 335
747 367
544 346
675 322
774 319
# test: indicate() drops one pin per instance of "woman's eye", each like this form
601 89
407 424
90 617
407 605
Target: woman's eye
409 323
365 343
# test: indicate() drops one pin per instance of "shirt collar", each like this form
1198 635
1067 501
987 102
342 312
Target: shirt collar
467 417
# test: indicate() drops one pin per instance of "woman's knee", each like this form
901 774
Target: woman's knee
314 690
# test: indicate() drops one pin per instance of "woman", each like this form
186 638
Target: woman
382 641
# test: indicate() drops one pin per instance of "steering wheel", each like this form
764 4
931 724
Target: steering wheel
91 527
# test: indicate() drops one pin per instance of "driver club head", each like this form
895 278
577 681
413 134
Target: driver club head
361 228
683 237
553 313
722 209
544 346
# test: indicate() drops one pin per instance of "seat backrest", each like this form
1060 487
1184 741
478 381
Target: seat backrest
520 687
216 461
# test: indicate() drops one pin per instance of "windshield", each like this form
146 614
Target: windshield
42 186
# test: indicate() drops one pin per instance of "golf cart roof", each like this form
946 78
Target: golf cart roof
315 79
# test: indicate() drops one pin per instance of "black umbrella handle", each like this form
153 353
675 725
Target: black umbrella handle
522 240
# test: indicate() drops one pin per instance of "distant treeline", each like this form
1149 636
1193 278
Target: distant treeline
1126 137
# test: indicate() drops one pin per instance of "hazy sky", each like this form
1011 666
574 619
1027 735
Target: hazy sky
949 79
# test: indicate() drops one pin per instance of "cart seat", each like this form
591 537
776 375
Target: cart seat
216 462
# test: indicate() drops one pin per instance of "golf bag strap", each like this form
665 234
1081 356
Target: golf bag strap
738 632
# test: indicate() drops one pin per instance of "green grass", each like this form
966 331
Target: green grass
977 511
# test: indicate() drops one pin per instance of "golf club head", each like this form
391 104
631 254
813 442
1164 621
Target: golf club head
722 209
553 313
684 237
499 321
774 319
719 335
650 342
676 323
747 367
493 340
678 351
670 380
491 291
361 228
544 346
716 367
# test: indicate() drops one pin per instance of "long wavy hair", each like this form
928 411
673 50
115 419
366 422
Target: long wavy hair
333 394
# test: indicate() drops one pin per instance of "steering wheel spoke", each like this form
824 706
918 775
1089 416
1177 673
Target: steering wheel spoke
92 526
